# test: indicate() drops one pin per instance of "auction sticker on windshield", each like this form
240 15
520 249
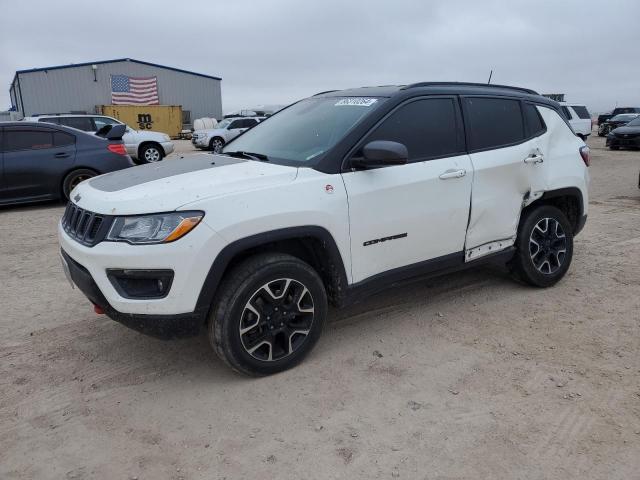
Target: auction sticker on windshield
357 101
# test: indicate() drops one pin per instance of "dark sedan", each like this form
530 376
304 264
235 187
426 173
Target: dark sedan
615 122
627 136
41 162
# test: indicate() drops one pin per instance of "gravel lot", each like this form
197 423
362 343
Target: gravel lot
465 376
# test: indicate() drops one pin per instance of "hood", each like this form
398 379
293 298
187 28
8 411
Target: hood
151 135
167 185
626 130
211 131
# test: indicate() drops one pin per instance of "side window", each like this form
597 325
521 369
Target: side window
100 122
493 122
235 124
535 124
249 122
62 139
582 112
428 128
27 139
81 123
567 113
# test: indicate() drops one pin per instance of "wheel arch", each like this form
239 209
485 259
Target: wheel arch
311 244
224 142
145 143
69 171
569 200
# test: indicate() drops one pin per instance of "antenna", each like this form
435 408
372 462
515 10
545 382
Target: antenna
490 75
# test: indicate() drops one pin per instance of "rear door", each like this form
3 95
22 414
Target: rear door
507 149
35 160
405 215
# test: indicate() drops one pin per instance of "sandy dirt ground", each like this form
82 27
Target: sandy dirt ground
467 376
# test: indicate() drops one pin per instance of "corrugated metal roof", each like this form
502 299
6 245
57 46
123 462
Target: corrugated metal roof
72 65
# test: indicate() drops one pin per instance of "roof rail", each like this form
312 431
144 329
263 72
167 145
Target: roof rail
322 93
469 84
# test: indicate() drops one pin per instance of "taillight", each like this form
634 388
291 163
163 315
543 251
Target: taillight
585 153
117 148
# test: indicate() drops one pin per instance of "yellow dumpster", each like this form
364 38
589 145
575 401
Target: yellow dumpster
159 118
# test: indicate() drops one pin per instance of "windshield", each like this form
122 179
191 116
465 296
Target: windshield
223 123
305 130
634 123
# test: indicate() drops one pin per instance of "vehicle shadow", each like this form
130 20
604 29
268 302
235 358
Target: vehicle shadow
195 358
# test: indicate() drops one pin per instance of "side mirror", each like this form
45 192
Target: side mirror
380 153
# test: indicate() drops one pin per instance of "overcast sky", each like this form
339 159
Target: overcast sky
277 51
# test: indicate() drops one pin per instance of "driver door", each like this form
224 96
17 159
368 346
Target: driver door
412 215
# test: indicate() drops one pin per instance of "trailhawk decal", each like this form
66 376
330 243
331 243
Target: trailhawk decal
383 239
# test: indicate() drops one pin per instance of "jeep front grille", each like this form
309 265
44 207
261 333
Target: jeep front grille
85 227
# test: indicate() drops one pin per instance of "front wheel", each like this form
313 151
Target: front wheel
544 247
151 153
268 314
216 145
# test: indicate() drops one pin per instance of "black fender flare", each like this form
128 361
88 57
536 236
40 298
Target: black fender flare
223 259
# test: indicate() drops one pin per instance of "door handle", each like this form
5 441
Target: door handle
453 174
61 155
534 159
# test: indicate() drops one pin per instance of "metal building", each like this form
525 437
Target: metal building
81 87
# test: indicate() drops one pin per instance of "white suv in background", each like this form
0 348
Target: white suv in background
579 118
144 146
226 130
337 196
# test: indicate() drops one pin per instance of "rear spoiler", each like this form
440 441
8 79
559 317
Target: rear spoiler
112 132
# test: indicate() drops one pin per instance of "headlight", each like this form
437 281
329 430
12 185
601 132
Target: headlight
156 228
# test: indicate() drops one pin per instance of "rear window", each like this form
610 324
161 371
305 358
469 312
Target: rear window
24 139
493 122
581 111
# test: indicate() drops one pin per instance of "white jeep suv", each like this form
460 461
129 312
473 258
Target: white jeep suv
144 146
336 196
228 129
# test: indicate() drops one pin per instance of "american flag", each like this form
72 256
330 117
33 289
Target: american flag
134 90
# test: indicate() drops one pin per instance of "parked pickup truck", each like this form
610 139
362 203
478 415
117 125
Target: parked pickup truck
337 196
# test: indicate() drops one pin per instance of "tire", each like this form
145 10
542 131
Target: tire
150 153
216 144
73 178
614 148
284 331
547 265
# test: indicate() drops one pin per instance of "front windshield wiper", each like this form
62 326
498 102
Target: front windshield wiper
252 156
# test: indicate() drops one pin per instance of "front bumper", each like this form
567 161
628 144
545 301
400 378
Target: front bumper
190 258
200 142
159 326
631 142
167 147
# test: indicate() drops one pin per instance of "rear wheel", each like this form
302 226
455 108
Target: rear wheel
268 314
544 247
74 178
614 148
151 153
